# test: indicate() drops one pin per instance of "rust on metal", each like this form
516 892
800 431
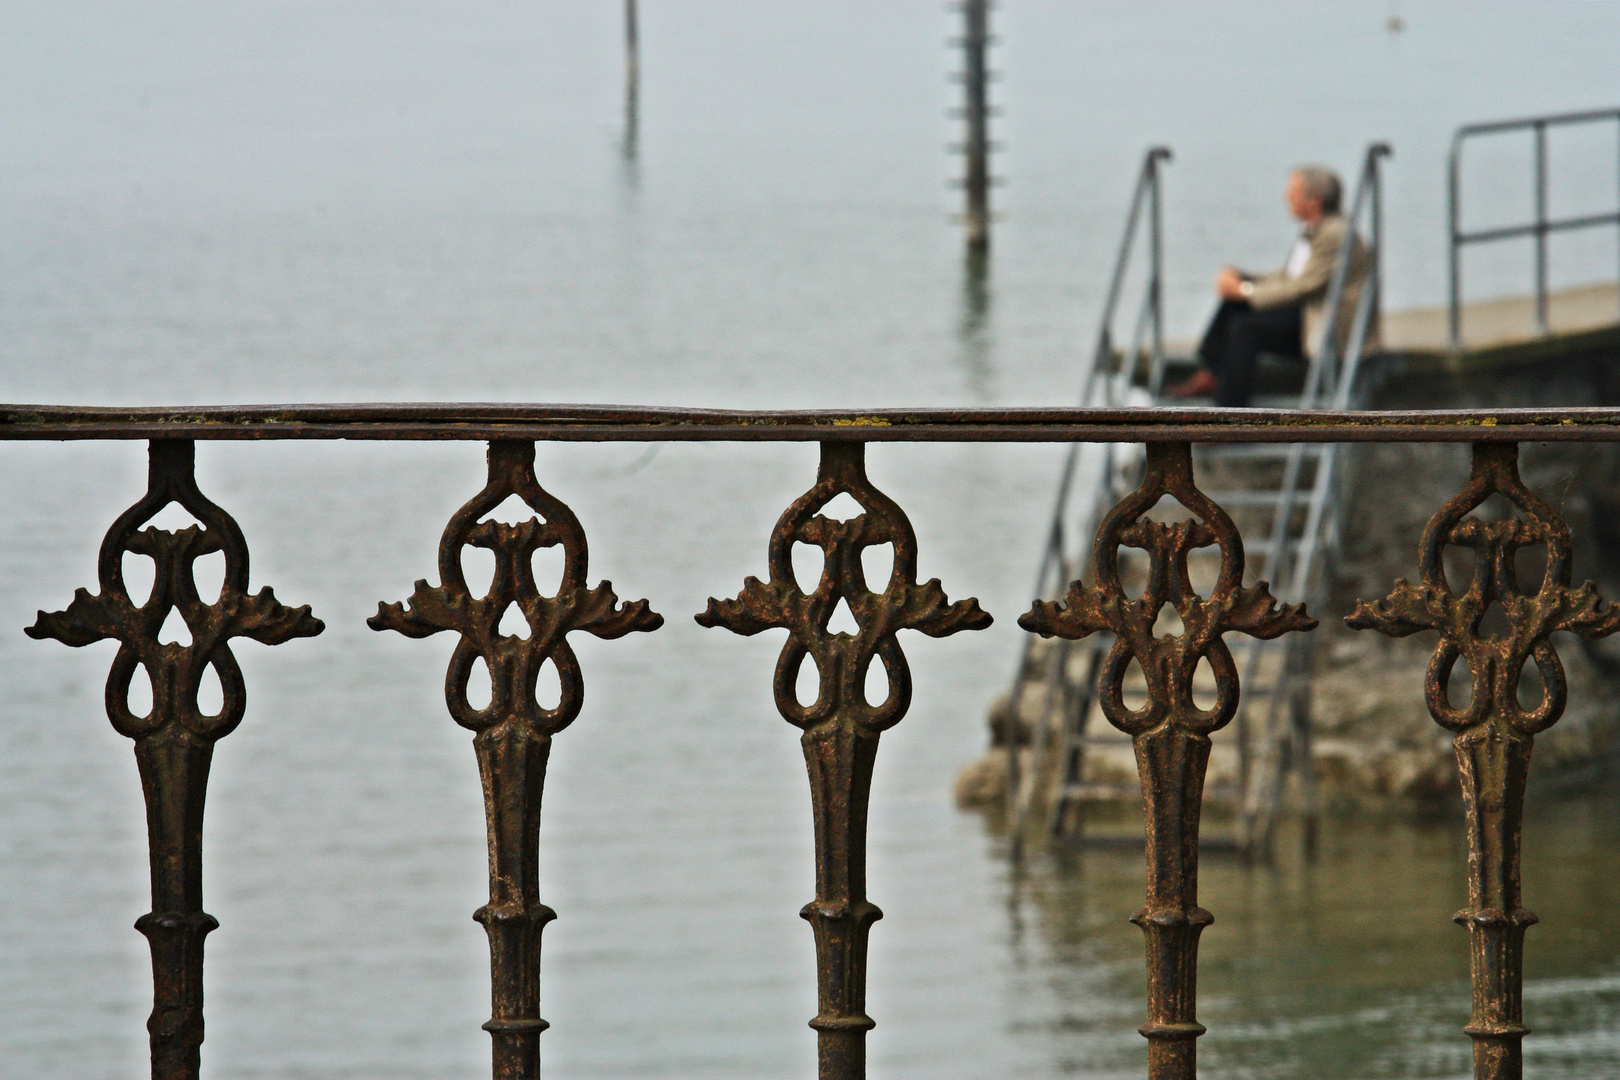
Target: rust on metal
1494 733
174 741
476 421
513 732
841 727
1170 733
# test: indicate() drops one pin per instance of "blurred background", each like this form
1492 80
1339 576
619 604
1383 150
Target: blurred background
388 201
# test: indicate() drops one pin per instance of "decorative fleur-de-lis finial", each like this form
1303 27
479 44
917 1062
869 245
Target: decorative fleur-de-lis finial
174 741
841 659
1494 662
1494 733
1167 662
513 732
841 727
1170 732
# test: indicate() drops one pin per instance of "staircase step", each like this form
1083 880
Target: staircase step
1251 497
1256 451
1100 792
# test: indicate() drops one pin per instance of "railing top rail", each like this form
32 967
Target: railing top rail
1366 198
1550 120
614 423
1510 232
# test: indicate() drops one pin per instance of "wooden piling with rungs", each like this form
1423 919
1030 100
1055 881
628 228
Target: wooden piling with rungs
632 82
975 79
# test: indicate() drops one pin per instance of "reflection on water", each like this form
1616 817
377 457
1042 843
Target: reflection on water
974 331
1347 968
627 146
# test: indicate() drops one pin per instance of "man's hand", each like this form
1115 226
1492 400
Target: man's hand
1229 284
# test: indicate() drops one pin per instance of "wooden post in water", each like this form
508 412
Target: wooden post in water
632 64
975 77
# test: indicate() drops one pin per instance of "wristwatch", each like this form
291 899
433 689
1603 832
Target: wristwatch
1246 289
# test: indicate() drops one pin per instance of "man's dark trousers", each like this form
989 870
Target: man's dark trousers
1235 339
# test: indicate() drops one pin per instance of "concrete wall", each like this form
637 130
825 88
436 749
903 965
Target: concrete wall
1375 737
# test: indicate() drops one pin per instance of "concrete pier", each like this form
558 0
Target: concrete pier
1501 330
1505 321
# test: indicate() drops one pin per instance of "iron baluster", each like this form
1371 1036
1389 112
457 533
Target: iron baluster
513 732
1171 734
841 727
1494 734
174 742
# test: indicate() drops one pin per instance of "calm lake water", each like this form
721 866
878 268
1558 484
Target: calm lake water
235 202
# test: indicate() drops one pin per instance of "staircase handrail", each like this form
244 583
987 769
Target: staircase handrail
1056 568
1145 198
1369 194
1296 562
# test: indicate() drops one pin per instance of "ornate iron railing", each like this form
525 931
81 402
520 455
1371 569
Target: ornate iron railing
1494 733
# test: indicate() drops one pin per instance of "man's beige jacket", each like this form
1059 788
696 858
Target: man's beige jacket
1309 290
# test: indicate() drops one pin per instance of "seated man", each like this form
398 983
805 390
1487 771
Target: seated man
1280 313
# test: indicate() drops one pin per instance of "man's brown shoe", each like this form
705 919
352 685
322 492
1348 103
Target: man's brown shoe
1202 384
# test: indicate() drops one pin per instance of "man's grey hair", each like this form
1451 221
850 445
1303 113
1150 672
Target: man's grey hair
1322 184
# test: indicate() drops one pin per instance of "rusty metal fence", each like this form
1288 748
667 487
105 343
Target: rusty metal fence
1494 732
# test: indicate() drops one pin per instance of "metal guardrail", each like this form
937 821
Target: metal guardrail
1540 228
841 727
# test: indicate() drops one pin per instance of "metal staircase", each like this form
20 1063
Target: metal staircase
1286 494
